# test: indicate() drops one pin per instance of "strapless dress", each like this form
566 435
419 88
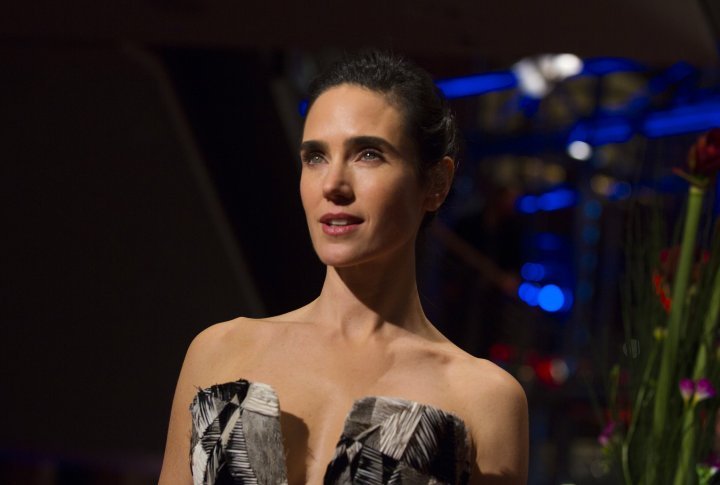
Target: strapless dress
236 439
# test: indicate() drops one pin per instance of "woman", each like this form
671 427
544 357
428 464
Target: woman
378 153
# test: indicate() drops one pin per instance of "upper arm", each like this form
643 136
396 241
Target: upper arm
500 432
195 369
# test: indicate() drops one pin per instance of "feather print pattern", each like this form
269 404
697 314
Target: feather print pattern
387 440
223 449
236 439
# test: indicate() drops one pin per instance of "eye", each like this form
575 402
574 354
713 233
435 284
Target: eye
370 155
312 158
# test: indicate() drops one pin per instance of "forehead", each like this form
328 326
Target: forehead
349 110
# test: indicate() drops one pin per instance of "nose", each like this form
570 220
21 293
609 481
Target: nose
337 184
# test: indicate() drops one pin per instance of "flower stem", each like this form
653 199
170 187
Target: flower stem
687 449
689 430
667 377
637 407
711 318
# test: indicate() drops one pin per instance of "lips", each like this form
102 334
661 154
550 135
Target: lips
336 224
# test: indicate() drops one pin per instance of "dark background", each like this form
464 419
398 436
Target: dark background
148 184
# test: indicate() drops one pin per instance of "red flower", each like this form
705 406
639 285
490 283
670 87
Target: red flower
704 156
703 160
662 278
660 290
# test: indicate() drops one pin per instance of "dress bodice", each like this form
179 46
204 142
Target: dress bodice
236 439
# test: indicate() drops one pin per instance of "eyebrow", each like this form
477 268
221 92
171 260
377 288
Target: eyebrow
354 142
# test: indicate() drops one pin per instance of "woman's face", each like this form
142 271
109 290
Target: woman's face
359 185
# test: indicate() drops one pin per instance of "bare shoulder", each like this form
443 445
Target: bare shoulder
212 347
218 337
208 359
220 334
482 379
225 351
495 408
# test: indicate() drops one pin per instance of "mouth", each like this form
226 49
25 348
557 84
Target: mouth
338 224
340 219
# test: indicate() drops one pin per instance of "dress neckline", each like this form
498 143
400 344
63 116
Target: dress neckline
391 420
272 392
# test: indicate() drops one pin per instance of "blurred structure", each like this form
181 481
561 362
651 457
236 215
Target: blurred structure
149 180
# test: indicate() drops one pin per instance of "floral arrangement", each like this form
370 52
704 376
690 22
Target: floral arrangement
660 423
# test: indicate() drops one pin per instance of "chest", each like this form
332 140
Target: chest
312 373
318 383
317 398
239 431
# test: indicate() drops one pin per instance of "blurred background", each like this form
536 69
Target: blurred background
149 172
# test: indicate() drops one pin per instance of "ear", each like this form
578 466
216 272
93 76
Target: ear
439 183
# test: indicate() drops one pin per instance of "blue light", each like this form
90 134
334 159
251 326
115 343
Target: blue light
548 241
620 191
685 119
590 234
476 84
601 131
549 201
605 129
611 130
527 204
557 199
616 129
674 74
303 107
592 209
529 293
532 271
579 132
679 71
551 298
600 66
567 305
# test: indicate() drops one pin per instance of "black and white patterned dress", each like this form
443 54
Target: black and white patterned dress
236 439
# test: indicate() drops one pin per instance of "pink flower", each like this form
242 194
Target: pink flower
704 390
708 468
606 434
687 389
713 461
697 390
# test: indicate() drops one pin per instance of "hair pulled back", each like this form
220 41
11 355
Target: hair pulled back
429 123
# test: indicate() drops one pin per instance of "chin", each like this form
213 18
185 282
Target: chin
340 260
346 259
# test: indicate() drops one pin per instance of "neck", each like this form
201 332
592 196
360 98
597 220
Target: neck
369 299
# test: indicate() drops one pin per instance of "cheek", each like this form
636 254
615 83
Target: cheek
305 193
402 201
